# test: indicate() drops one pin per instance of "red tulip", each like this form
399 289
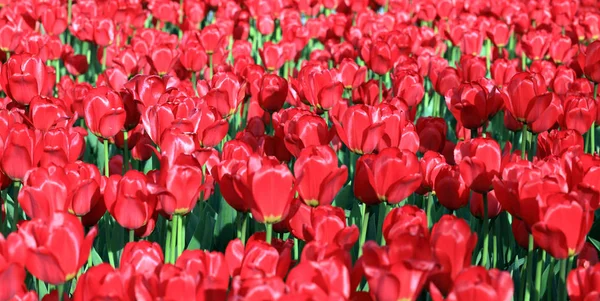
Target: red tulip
350 74
408 85
406 219
24 76
56 248
499 33
226 85
319 178
144 256
182 178
397 271
470 104
390 176
272 56
592 62
380 58
359 129
502 71
453 192
61 146
560 239
432 133
320 86
476 205
302 131
258 259
103 281
162 58
579 113
273 93
446 80
452 244
20 153
479 162
104 112
211 266
588 256
535 44
522 90
11 270
324 279
477 283
582 284
267 205
129 200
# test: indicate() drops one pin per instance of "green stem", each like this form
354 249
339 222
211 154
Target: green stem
429 207
296 249
523 141
269 232
523 61
194 81
69 11
495 248
244 227
125 152
109 244
104 58
210 65
131 235
174 233
539 265
106 158
17 210
181 236
168 249
60 289
563 280
380 88
484 259
363 228
529 269
383 211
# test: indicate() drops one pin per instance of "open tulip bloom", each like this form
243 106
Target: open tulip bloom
299 150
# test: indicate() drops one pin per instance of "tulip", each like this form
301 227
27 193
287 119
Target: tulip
522 90
452 244
318 177
359 129
323 279
453 192
104 112
479 162
302 131
592 62
268 205
469 103
272 56
226 85
144 256
582 284
103 281
129 199
406 219
273 93
380 58
24 76
213 268
258 259
390 176
182 179
432 133
579 113
19 152
11 270
320 86
56 248
477 283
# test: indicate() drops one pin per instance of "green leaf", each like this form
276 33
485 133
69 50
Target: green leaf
345 198
203 235
96 259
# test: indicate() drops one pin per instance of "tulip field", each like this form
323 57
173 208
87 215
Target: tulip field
393 150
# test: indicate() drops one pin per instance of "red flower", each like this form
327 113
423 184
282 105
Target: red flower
20 153
479 162
592 62
432 134
522 90
390 176
104 112
477 283
182 179
320 86
579 113
129 200
211 266
272 56
273 92
380 58
453 192
582 283
24 76
452 244
162 58
144 256
56 248
103 281
319 178
406 219
268 187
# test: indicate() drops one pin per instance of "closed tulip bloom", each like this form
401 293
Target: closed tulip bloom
479 162
560 239
320 86
351 74
579 113
56 248
522 89
304 131
227 173
499 33
272 56
360 129
477 283
447 79
103 281
104 112
144 256
432 133
476 205
182 179
556 142
471 68
406 219
329 278
24 76
390 176
453 192
213 268
226 93
319 178
257 258
61 146
408 85
162 58
273 93
452 244
536 44
129 200
380 58
269 188
44 192
543 112
592 62
469 103
20 152
502 71
563 80
582 283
